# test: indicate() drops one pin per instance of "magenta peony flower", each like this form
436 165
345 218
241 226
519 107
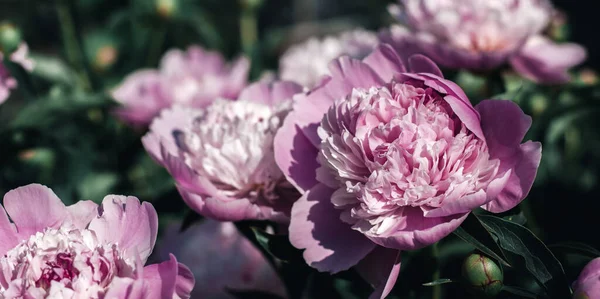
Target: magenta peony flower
587 285
221 259
482 35
83 251
307 62
389 159
193 78
7 82
222 156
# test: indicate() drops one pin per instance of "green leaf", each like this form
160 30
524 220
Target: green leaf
577 248
95 186
516 218
472 231
53 70
525 251
278 246
519 292
438 282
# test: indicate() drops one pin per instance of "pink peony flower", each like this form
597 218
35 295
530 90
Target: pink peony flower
393 159
222 156
483 35
221 259
82 251
193 78
587 285
7 82
306 63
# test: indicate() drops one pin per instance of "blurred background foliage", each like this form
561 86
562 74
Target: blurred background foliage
57 129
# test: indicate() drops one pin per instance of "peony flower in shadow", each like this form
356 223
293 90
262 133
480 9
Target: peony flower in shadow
392 157
221 157
306 63
83 251
481 35
194 78
221 259
587 285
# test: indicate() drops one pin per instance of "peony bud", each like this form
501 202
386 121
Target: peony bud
102 50
10 38
482 275
166 8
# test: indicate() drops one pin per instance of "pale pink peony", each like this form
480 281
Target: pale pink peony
306 63
482 35
221 259
389 159
7 82
222 156
587 285
193 78
83 251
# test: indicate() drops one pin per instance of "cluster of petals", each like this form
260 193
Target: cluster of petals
7 82
222 158
587 285
192 78
482 35
222 260
306 63
83 250
392 157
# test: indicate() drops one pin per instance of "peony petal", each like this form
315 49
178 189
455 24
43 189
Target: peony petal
542 60
380 268
348 73
385 62
417 231
421 64
8 234
330 245
82 213
459 206
588 282
295 155
505 125
49 211
270 93
163 127
126 222
161 279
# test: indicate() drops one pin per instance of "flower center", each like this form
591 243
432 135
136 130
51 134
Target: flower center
61 261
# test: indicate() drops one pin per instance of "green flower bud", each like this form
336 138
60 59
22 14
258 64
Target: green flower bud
482 275
10 38
102 50
167 8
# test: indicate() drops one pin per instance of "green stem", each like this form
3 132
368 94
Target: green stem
71 43
248 28
437 289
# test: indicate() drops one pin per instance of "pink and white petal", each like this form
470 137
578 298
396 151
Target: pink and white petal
504 125
348 73
380 268
284 90
543 60
126 222
234 210
164 128
185 282
8 234
82 213
270 93
161 279
385 62
49 211
417 231
238 76
422 64
330 244
125 288
296 155
524 165
461 205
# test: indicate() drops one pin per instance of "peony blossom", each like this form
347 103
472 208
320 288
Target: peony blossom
83 251
222 156
221 259
7 82
307 62
587 285
393 159
481 35
193 78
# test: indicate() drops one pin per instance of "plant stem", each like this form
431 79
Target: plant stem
248 30
73 49
437 289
